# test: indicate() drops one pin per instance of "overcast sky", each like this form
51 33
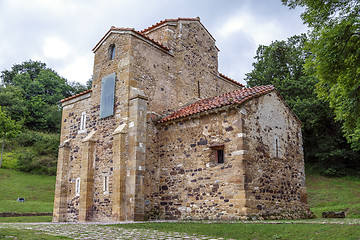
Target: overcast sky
62 33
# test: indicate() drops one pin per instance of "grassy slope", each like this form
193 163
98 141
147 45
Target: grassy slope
334 194
38 191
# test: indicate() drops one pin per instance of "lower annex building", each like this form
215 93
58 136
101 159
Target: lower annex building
163 135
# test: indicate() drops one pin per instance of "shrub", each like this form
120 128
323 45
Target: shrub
37 152
9 161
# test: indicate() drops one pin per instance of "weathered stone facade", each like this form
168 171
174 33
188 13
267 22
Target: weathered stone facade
229 160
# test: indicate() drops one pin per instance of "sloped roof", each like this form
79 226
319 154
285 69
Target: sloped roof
75 96
235 97
231 80
129 30
147 30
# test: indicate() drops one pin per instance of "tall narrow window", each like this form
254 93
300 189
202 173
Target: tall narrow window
112 52
220 155
107 95
77 187
106 184
83 121
277 149
198 89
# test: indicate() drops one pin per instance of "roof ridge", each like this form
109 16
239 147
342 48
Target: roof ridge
229 98
75 96
169 20
132 30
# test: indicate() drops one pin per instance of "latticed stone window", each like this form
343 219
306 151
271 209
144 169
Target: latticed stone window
277 149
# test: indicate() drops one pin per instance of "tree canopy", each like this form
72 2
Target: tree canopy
282 65
335 57
31 93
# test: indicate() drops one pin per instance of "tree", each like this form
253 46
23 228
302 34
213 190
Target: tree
8 128
32 92
335 57
282 65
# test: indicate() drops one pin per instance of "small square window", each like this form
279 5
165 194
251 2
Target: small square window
218 151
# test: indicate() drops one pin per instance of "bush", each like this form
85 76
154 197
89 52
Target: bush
37 152
9 161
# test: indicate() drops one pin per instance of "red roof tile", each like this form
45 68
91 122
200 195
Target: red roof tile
75 96
231 80
176 20
169 20
236 97
130 30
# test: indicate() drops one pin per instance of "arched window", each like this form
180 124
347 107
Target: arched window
112 52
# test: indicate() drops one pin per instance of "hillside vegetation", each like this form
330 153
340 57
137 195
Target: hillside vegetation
30 95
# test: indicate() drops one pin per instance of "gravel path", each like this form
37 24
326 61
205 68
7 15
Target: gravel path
107 231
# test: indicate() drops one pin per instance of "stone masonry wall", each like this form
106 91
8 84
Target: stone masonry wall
196 58
275 180
190 184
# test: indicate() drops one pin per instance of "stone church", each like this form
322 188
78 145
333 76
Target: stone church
163 135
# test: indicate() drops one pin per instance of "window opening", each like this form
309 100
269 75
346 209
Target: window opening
277 150
112 52
106 184
83 121
77 187
198 89
220 155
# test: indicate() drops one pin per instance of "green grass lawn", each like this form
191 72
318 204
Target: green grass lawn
9 233
334 194
38 191
257 230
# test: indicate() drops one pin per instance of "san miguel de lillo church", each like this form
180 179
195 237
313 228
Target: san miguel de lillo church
162 134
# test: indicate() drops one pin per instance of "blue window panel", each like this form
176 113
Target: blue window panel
107 96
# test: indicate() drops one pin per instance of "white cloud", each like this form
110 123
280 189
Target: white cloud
61 33
55 48
260 29
78 69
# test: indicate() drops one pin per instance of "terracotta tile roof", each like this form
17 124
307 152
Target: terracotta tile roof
176 20
169 20
130 30
75 96
152 40
231 80
236 97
